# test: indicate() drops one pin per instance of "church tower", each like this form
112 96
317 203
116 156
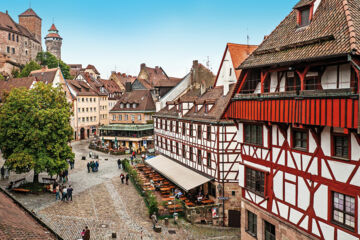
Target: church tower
53 42
32 22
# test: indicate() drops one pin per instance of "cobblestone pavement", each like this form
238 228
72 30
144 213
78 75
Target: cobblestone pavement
106 206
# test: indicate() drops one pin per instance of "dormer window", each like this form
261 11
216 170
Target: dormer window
128 105
121 105
134 105
304 16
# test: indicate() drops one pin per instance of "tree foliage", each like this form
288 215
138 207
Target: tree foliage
35 130
47 59
29 67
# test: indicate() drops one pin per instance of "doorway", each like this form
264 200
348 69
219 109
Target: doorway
234 218
82 134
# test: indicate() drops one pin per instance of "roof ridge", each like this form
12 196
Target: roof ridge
350 23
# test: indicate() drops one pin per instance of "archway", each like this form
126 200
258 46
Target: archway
82 133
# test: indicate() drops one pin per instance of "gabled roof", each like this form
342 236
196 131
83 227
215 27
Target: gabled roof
238 53
81 88
8 85
110 86
143 98
93 68
124 78
29 13
44 75
333 31
156 77
303 3
53 28
8 24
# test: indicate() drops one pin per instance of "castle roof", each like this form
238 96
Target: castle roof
53 28
53 35
8 24
29 13
334 30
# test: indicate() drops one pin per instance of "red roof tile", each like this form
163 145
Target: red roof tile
143 98
29 13
53 28
46 76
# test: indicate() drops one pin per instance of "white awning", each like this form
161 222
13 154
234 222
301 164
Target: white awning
183 177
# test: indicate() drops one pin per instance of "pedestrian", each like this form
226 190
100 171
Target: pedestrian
127 179
154 220
72 163
83 233
64 194
2 170
119 163
86 234
122 178
57 192
88 167
66 173
132 160
69 193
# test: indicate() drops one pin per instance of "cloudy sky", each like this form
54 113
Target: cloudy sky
119 34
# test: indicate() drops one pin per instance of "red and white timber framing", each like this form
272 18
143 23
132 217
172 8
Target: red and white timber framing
224 151
299 183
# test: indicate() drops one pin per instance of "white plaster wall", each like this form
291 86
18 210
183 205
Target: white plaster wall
273 81
345 76
278 185
325 141
283 210
303 194
343 235
224 74
290 190
327 230
265 136
321 202
295 216
312 143
341 170
258 166
316 5
355 148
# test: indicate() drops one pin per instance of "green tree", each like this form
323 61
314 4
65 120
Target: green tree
29 67
47 59
2 78
35 130
15 73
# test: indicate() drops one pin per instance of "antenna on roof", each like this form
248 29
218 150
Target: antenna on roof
247 37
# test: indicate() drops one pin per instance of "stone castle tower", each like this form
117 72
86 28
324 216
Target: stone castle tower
32 22
53 42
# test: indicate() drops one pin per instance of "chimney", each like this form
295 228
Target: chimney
142 66
195 63
128 87
7 13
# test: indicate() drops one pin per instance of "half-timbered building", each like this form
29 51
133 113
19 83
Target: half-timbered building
296 109
190 132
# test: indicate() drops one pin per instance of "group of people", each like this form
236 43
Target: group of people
122 177
65 192
93 166
64 176
85 234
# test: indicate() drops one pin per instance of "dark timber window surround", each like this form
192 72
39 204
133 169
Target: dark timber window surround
340 146
191 153
190 130
208 133
176 127
183 151
253 134
343 210
300 139
251 227
183 129
269 231
255 181
177 148
199 131
199 157
208 159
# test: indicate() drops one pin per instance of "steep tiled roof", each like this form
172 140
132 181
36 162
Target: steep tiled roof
53 35
303 3
110 86
8 24
81 88
124 78
333 31
157 78
17 224
142 98
93 68
53 28
44 75
7 86
213 96
29 13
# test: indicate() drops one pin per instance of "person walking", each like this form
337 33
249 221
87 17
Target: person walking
122 178
88 167
2 170
119 163
69 193
57 192
86 234
127 179
64 194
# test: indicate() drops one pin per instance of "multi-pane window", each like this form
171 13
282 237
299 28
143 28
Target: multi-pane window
305 17
171 146
114 117
191 153
341 146
251 223
166 145
255 181
199 131
300 139
269 231
176 127
183 129
8 49
171 126
199 158
190 130
161 125
208 132
208 159
183 151
344 210
177 148
253 134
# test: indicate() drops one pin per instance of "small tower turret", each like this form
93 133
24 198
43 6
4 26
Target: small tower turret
53 42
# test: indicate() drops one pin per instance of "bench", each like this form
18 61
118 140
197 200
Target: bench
48 180
18 182
21 190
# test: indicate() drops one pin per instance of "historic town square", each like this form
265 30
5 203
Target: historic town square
180 120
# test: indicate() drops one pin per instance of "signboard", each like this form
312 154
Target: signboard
223 198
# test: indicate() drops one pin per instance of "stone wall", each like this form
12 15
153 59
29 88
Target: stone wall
54 47
283 231
33 24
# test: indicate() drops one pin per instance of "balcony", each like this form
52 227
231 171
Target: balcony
334 108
